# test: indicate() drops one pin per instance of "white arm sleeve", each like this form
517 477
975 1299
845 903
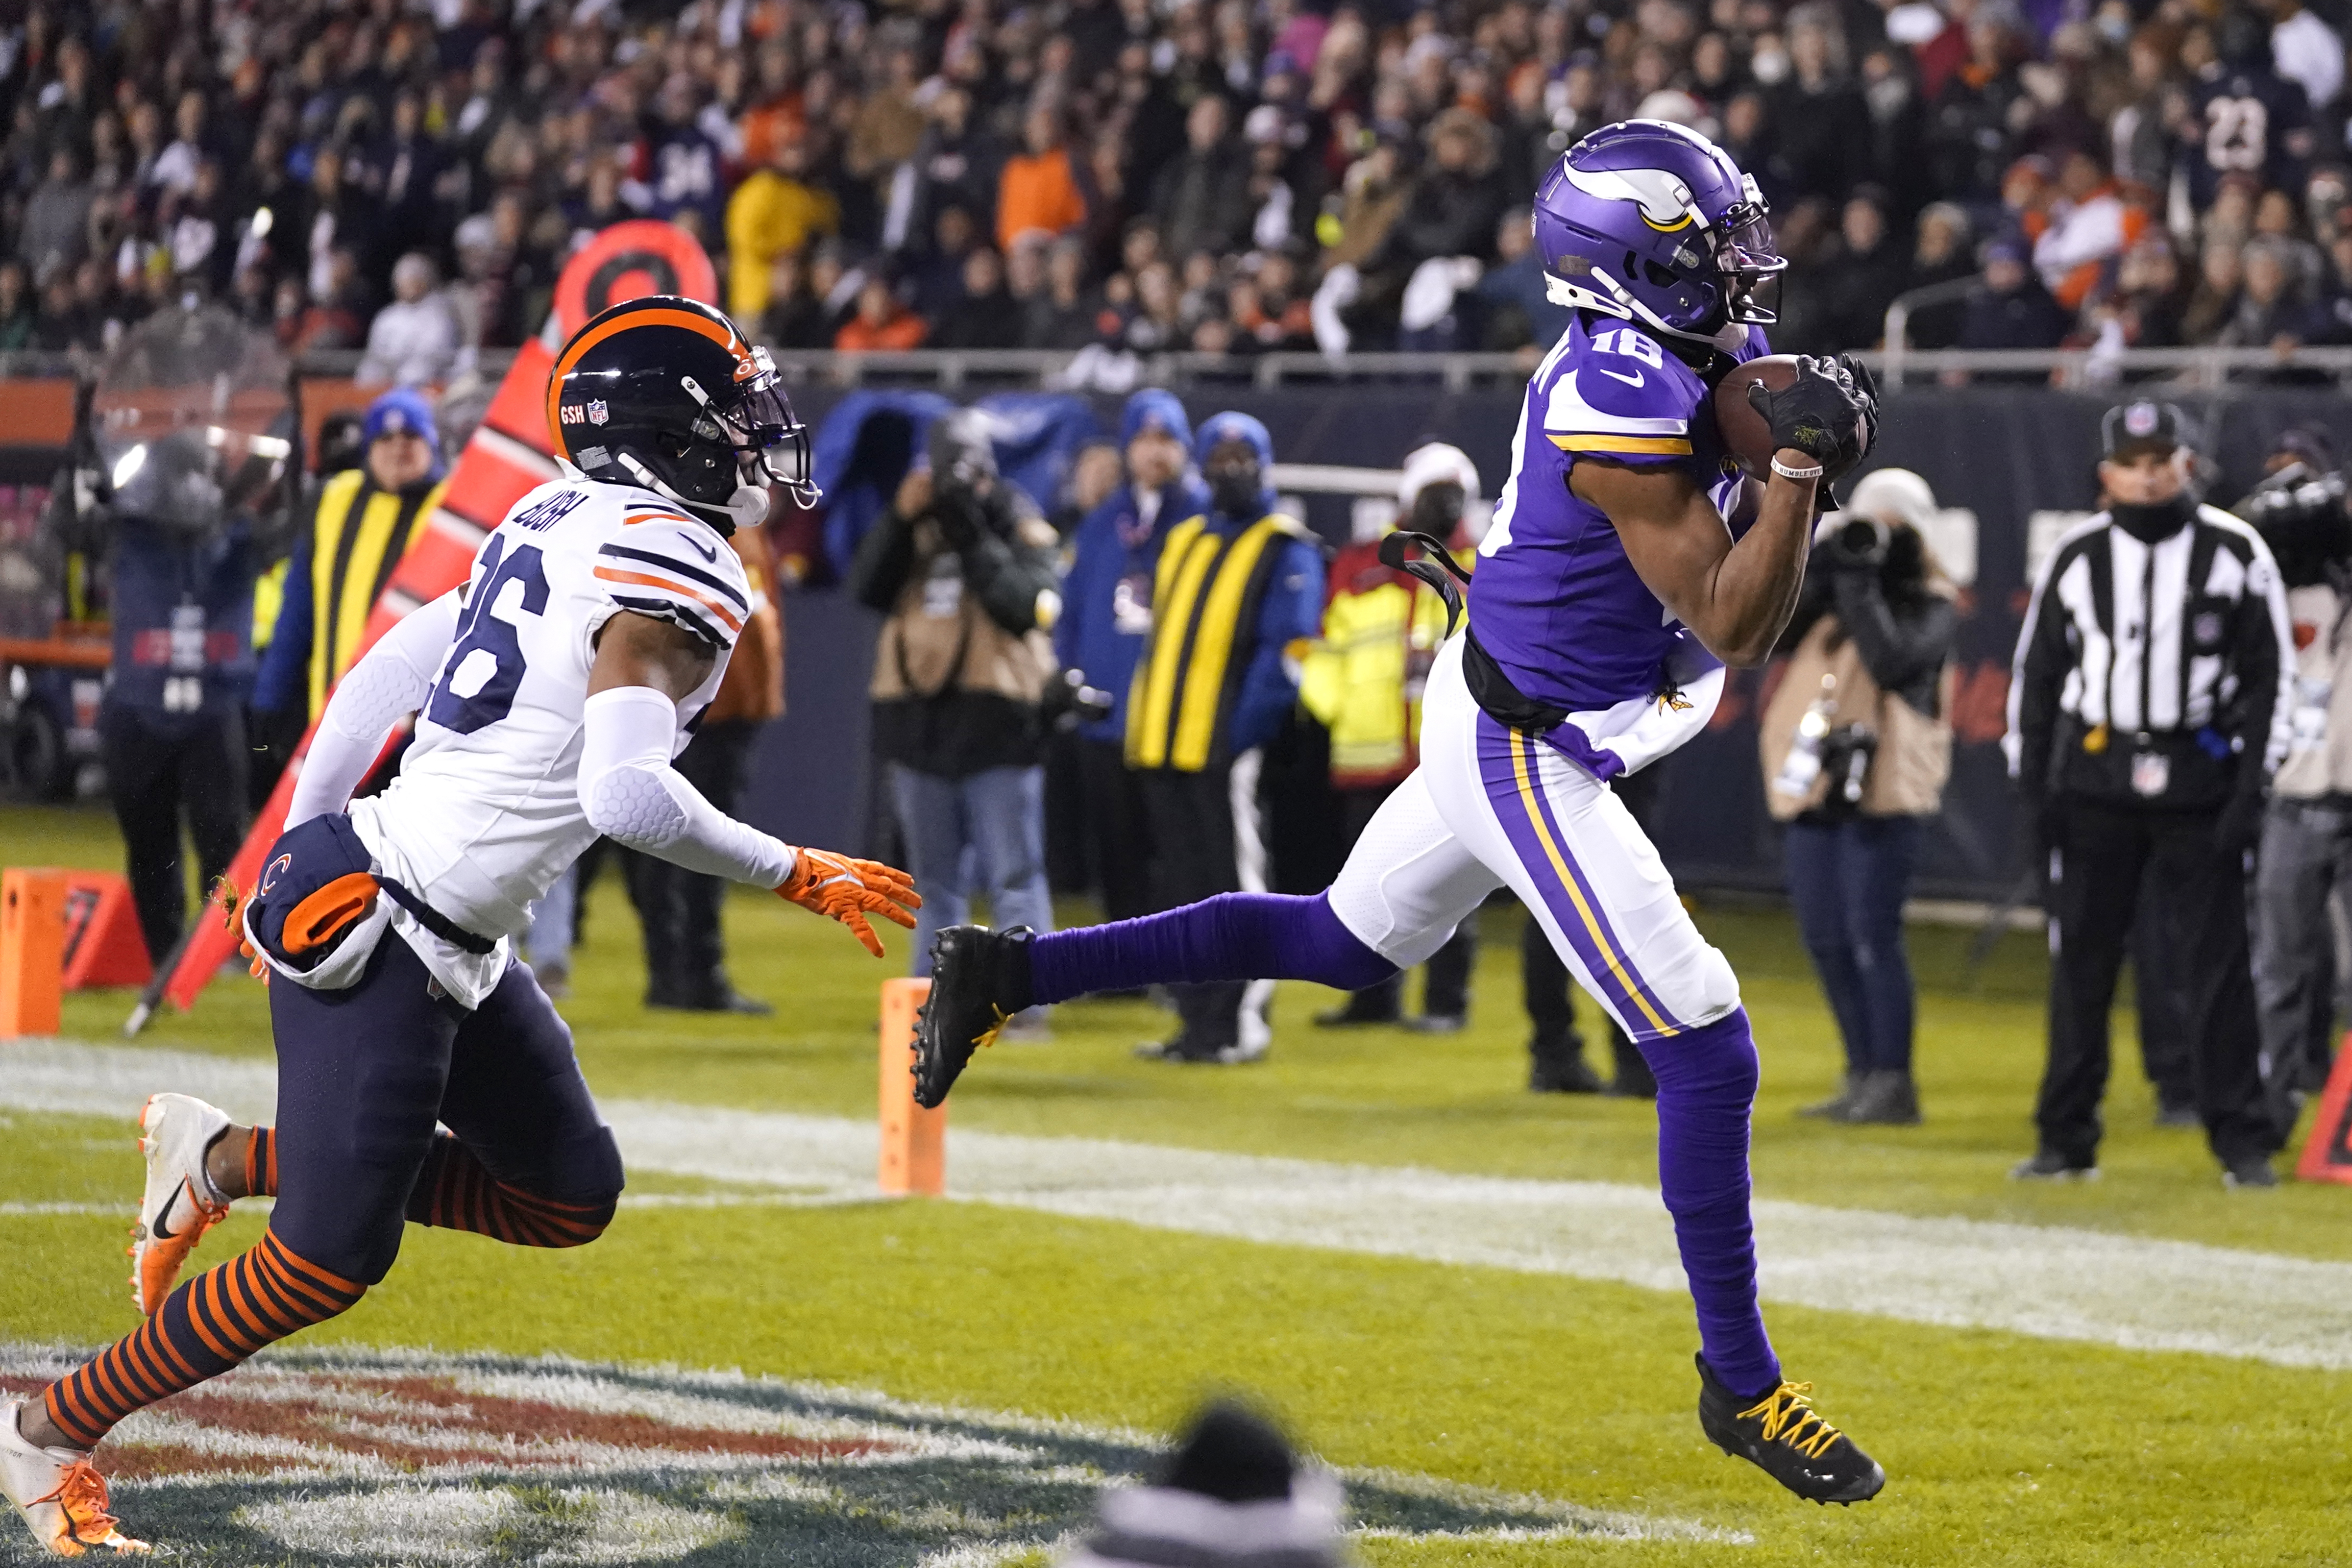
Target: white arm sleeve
373 695
630 792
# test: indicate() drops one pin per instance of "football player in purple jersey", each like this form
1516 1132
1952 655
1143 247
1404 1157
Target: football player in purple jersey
1629 561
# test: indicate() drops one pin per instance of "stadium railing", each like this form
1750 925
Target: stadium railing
952 369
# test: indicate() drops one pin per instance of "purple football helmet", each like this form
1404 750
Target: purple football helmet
1651 222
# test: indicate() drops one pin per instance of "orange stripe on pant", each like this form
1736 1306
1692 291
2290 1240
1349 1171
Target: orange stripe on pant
195 1335
455 1192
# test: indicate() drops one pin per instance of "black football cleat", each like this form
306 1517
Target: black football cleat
1783 1435
979 979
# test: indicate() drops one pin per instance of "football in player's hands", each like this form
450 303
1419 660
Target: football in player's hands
1786 401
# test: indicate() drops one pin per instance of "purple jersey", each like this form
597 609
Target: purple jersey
1554 601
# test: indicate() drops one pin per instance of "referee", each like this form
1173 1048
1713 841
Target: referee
2146 714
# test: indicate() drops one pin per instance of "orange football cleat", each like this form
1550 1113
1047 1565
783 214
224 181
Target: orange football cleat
181 1203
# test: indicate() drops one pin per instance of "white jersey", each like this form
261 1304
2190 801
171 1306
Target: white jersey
485 814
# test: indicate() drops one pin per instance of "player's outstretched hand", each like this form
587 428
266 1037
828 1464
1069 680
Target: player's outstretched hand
846 889
1823 414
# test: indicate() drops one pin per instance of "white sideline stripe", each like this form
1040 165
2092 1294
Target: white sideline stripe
2048 1282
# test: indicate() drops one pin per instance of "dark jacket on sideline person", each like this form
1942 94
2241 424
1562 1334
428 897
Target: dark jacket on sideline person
970 586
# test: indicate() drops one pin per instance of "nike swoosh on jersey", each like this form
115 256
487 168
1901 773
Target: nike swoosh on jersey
1632 380
710 554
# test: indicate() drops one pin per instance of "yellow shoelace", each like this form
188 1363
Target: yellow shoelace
1786 1412
987 1037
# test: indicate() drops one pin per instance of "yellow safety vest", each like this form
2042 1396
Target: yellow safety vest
359 534
269 599
1204 598
1363 680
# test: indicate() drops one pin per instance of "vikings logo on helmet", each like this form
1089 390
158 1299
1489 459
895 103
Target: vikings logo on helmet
1652 223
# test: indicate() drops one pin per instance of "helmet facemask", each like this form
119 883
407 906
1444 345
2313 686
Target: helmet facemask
753 422
1748 259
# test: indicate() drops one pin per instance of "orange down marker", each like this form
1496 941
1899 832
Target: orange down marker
914 1141
33 952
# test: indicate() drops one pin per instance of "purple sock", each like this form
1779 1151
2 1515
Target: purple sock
1234 936
1706 1086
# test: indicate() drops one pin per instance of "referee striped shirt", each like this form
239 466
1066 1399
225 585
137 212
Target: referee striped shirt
2183 635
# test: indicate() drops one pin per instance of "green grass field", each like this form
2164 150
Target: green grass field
2001 1448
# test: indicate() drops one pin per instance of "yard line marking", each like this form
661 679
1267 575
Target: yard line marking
2048 1282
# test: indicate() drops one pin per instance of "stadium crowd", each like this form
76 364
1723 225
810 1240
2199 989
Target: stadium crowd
1152 174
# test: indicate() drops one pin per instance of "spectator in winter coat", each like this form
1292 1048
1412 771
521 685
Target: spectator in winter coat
882 322
2273 311
2088 227
413 341
1455 203
2147 303
956 165
1038 193
1940 253
1824 127
1200 200
986 316
2012 310
56 231
796 317
773 213
1862 277
1519 309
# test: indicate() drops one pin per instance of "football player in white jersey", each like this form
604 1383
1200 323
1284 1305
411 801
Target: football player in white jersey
551 692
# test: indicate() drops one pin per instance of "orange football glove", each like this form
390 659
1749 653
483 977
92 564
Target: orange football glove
847 890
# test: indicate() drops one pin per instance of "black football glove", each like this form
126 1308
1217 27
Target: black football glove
1866 388
1817 413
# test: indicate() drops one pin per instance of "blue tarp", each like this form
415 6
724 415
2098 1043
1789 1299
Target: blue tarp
867 441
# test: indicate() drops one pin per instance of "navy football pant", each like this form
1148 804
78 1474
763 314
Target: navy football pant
363 1076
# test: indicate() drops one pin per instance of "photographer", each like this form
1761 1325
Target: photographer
1856 745
965 569
2146 714
2306 847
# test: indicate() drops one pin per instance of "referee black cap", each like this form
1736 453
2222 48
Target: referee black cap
2144 427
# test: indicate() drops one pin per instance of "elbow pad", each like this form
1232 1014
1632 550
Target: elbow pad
629 792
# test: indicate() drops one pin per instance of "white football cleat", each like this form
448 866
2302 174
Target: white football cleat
58 1492
180 1202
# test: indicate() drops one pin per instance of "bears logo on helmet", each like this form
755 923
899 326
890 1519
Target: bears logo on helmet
680 404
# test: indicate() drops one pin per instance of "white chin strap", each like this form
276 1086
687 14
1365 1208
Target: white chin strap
1620 302
746 508
748 505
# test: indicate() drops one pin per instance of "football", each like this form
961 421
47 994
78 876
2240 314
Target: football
1746 438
